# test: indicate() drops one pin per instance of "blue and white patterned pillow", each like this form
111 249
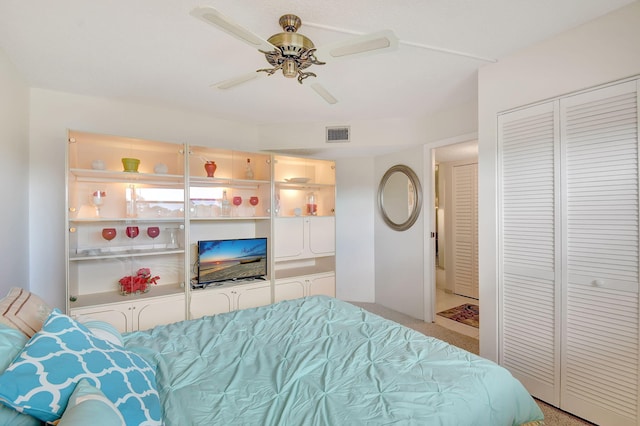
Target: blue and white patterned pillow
42 378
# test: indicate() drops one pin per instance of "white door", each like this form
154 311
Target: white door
322 235
528 262
465 229
209 302
569 252
289 237
118 315
600 233
151 312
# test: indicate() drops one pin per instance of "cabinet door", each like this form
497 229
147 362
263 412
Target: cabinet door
289 289
322 235
322 285
530 279
159 311
117 315
210 302
289 237
252 297
601 274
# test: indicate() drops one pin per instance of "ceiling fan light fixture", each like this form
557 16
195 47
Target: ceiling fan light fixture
290 68
292 52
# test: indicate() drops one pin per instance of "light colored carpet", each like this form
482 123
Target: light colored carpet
552 415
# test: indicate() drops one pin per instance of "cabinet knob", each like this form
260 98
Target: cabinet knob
597 283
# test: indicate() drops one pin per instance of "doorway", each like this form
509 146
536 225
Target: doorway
455 203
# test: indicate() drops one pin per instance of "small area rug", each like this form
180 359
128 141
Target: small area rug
466 314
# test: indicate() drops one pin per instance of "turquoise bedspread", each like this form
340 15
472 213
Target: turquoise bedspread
321 361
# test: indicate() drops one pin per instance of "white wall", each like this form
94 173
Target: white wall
400 255
14 175
601 51
373 138
355 210
52 113
390 141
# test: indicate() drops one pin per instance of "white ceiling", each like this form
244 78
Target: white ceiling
153 51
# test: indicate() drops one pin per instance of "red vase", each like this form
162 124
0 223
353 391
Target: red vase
210 167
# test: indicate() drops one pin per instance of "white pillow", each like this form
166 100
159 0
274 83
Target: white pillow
23 311
88 406
101 329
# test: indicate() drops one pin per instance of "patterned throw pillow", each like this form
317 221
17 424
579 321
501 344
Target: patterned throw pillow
89 406
42 378
23 311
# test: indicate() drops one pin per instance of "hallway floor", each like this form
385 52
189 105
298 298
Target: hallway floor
448 300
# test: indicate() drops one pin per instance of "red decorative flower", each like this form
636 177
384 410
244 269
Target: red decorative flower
139 282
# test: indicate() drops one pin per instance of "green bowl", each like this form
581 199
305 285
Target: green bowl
130 164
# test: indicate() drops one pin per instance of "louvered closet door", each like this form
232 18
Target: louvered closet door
600 299
465 229
529 270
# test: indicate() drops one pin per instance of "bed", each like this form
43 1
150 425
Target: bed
310 361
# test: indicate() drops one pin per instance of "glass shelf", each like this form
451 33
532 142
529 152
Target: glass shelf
176 219
229 218
307 185
230 183
90 175
100 253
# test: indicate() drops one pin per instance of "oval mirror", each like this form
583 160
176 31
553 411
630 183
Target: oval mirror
400 197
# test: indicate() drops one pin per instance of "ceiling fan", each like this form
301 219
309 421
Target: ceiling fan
291 52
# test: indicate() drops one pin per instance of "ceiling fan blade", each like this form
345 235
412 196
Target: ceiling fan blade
236 81
407 43
324 93
378 42
213 17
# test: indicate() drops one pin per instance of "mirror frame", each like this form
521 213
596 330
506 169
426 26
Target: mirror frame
417 192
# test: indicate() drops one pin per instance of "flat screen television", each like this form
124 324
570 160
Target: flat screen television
231 260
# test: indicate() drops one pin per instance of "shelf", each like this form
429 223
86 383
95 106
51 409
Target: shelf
90 175
223 285
227 183
302 272
177 219
227 218
292 216
188 202
114 297
308 185
96 254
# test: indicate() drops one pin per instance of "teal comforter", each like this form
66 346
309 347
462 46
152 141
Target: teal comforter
320 361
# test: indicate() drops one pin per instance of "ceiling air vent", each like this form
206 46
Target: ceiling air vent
338 134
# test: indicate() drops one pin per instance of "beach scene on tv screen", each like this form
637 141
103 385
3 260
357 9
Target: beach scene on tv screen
231 259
